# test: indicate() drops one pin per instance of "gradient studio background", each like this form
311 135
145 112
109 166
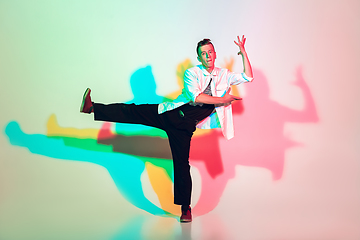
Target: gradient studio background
291 172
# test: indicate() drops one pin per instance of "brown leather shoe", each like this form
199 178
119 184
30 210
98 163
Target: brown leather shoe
86 104
186 216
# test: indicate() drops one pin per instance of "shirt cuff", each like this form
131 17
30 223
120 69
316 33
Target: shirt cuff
248 79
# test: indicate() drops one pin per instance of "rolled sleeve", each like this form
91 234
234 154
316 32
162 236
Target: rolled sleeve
238 78
248 79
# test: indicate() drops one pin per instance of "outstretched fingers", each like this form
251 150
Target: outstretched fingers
236 98
241 44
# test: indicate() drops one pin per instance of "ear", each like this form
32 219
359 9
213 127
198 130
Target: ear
198 58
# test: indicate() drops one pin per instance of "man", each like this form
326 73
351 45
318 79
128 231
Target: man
205 102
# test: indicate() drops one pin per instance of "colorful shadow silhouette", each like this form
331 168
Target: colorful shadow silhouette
259 142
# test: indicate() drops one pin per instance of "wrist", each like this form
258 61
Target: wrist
242 53
223 100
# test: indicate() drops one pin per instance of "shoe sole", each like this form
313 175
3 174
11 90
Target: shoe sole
187 221
87 91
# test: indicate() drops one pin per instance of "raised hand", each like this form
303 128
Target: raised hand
241 45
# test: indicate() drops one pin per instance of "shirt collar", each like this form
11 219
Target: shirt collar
206 73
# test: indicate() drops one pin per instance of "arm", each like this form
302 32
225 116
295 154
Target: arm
227 98
242 52
193 92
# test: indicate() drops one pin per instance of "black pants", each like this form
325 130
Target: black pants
178 128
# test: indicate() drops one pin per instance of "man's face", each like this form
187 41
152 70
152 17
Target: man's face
207 56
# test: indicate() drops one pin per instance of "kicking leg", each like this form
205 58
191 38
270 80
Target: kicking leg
146 114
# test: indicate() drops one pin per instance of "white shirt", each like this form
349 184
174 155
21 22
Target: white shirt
196 80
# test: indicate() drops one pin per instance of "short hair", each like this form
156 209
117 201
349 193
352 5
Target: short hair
203 42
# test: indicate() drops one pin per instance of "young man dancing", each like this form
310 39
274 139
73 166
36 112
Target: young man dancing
205 103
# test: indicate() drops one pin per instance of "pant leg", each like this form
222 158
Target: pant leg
178 128
146 114
180 131
179 141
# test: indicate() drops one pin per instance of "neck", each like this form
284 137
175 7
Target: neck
209 69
